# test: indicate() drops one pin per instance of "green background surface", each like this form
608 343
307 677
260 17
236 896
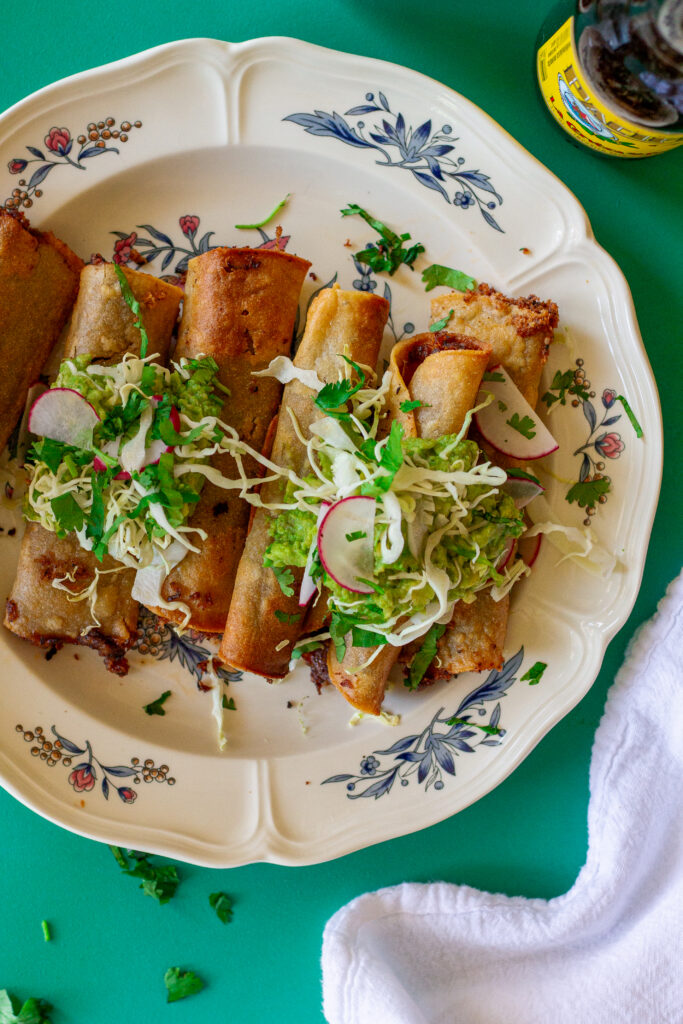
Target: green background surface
112 943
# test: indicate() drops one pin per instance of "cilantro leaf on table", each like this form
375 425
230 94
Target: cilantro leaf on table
134 306
32 1011
222 904
524 426
158 880
438 275
387 253
229 705
439 325
181 984
587 492
155 706
424 657
535 673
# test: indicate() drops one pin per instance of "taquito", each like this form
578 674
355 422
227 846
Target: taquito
443 371
38 287
519 332
240 307
102 326
339 323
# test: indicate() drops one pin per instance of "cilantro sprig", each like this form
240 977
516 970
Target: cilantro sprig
181 984
334 396
439 325
32 1011
586 492
565 384
535 673
387 254
437 274
222 904
160 881
524 426
155 707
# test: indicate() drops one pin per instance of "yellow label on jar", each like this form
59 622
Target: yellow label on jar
574 105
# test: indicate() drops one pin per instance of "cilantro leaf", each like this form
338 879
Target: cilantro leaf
587 492
180 984
48 451
437 275
158 880
425 656
33 1011
134 305
387 253
409 406
375 587
229 705
490 730
287 618
336 394
494 376
302 649
356 535
285 578
266 220
67 512
340 625
535 673
155 706
168 433
222 904
366 638
565 384
390 459
524 426
439 325
516 474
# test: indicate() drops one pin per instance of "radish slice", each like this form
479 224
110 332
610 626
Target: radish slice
521 489
153 452
506 555
308 586
174 417
529 548
510 405
343 559
132 455
63 414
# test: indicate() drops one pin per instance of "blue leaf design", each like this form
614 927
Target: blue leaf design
383 101
460 745
435 168
495 717
490 743
444 757
403 744
410 755
167 259
159 235
387 293
479 180
419 137
333 125
611 420
120 771
589 413
40 175
336 778
94 151
491 221
124 234
437 150
430 182
68 745
364 108
495 684
36 152
585 468
381 139
181 265
425 765
105 789
203 244
377 789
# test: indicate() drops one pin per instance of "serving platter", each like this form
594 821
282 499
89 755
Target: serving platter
191 139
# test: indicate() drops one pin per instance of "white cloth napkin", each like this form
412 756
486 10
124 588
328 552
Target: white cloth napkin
606 952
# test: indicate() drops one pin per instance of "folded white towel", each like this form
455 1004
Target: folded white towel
607 952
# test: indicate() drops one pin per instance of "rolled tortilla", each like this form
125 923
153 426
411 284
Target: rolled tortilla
36 610
240 306
443 371
339 322
38 287
519 332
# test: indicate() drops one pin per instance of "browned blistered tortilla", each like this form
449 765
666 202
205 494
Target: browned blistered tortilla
240 307
339 322
103 326
38 287
443 371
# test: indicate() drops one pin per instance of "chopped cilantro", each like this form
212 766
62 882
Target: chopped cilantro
587 492
134 305
366 638
438 275
631 415
266 220
375 587
491 730
222 904
158 880
524 426
535 673
425 656
564 384
390 459
181 984
286 618
387 253
302 649
502 406
285 578
356 535
522 473
409 406
340 625
67 512
47 936
229 705
439 325
48 451
33 1011
155 706
332 396
495 376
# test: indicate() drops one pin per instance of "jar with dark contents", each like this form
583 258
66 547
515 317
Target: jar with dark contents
611 74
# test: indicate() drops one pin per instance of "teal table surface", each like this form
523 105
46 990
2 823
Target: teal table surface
111 944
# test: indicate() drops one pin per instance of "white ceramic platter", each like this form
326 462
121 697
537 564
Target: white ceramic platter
191 139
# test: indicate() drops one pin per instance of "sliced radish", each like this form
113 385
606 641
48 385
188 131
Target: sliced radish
132 455
174 417
521 489
529 548
63 414
153 452
506 555
346 560
509 405
308 585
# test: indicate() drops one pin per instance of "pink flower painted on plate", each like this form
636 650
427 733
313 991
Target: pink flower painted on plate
82 778
17 166
123 247
59 141
276 243
189 224
608 397
127 794
610 446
